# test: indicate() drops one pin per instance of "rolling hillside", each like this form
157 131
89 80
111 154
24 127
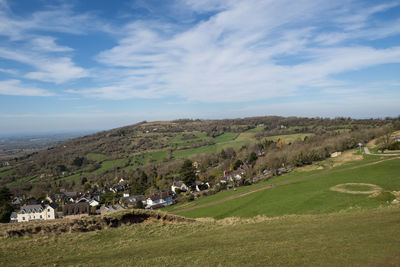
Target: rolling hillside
159 148
303 192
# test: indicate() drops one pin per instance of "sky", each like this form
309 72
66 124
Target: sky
91 65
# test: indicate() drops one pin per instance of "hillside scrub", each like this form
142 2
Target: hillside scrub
87 224
145 147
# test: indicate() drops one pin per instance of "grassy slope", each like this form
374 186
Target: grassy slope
284 178
311 196
222 141
361 237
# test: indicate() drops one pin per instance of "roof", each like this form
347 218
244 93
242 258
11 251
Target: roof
178 183
71 194
36 208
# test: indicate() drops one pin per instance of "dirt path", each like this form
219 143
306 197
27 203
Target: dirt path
366 150
278 184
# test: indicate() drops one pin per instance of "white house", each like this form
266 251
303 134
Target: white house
159 200
37 212
180 185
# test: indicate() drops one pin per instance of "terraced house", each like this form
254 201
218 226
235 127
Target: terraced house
37 212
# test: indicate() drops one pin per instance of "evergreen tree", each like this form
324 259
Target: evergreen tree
187 173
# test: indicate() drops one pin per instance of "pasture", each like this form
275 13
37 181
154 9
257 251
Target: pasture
302 192
360 237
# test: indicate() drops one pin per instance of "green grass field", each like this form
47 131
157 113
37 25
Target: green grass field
6 172
301 193
109 165
180 141
356 238
223 141
289 138
96 157
138 160
22 180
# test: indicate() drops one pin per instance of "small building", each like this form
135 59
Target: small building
397 138
154 201
76 209
37 212
13 217
17 200
180 185
200 186
71 196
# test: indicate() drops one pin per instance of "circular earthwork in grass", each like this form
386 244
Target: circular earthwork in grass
356 188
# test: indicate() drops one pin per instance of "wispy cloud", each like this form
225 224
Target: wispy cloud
17 88
244 51
49 69
25 42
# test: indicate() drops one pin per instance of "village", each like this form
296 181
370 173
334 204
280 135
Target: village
118 197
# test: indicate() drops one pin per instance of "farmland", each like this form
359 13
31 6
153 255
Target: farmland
301 192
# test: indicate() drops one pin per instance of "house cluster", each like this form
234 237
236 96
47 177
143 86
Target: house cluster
180 186
64 198
235 175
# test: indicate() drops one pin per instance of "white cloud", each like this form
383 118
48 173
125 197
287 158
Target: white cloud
26 43
50 69
59 19
15 87
247 50
47 43
9 71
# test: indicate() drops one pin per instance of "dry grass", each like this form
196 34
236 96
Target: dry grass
345 157
343 188
354 237
88 223
308 168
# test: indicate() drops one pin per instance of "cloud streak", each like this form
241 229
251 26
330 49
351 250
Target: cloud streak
245 51
17 88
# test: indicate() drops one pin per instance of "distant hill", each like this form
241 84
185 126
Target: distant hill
152 152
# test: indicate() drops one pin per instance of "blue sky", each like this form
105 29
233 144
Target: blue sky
84 65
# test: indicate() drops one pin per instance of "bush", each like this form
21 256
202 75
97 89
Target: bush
190 197
139 205
177 191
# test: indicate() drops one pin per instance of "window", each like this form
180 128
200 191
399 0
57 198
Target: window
48 216
41 217
23 218
48 210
